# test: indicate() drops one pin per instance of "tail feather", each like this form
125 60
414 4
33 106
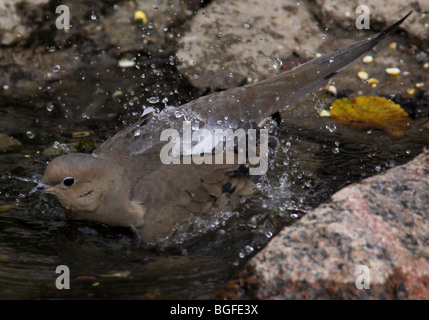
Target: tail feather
258 101
291 85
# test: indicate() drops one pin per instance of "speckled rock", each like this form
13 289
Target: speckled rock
233 41
126 34
343 13
381 223
12 26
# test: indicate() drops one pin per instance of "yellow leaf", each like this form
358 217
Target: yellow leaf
371 113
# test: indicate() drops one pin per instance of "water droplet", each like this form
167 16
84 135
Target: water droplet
153 99
93 16
50 106
277 63
331 127
30 134
56 68
246 25
195 126
248 249
323 36
336 150
178 114
268 234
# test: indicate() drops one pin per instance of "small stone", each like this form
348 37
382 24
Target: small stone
393 71
9 144
363 75
324 114
126 63
367 59
332 90
117 93
393 45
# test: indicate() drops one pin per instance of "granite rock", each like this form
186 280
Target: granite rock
381 223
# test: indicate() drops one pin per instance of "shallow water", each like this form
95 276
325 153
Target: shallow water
317 157
36 237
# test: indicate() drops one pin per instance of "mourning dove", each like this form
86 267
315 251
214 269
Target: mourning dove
125 183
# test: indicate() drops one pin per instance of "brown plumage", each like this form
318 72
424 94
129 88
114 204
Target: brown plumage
124 182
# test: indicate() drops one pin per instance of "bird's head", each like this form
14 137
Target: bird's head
79 182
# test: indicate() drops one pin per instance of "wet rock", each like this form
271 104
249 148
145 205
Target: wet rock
385 12
381 223
232 41
12 27
9 144
128 34
75 71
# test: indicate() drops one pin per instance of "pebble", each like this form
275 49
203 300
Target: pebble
126 63
332 89
393 71
324 114
9 144
393 45
117 93
367 59
363 75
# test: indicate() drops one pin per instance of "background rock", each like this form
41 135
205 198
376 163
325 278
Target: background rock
381 222
12 27
232 41
9 144
342 13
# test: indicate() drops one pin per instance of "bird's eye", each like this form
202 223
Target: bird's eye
68 181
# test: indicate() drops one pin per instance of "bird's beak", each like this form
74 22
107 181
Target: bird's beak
40 188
